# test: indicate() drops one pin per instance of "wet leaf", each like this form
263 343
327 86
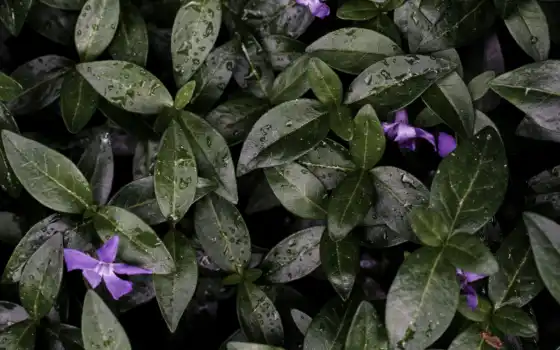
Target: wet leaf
9 88
184 96
368 144
528 26
514 321
324 82
139 198
98 167
96 27
468 253
357 10
13 15
470 339
8 180
282 50
78 102
481 313
429 226
340 261
65 4
292 82
366 330
252 71
20 336
383 24
480 85
131 39
54 24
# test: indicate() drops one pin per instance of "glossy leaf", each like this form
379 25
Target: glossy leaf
479 85
366 330
139 198
528 26
8 180
357 10
96 27
340 261
130 42
383 24
98 167
184 95
78 102
429 226
341 123
252 71
481 313
282 50
368 144
470 339
514 321
324 82
9 88
292 82
20 336
468 253
13 15
301 320
54 24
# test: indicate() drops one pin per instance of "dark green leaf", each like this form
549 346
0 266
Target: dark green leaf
204 187
357 10
54 24
51 178
514 321
528 26
341 262
292 82
257 315
8 180
13 15
41 278
351 50
174 291
301 320
96 27
282 50
175 174
261 198
10 314
132 123
252 71
139 244
467 252
299 191
368 144
98 167
506 7
470 183
349 204
78 102
131 39
139 198
366 330
127 86
395 82
341 123
482 311
451 55
294 257
470 339
479 85
383 24
9 88
425 285
222 233
482 121
324 82
277 17
429 226
20 336
65 4
11 227
283 134
100 328
69 337
184 95
195 30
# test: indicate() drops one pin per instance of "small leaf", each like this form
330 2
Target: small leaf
174 291
429 226
357 10
291 83
78 102
479 85
470 339
341 262
127 86
41 278
13 15
139 244
282 50
366 330
20 336
368 144
514 321
184 95
96 27
52 179
98 167
222 233
131 39
294 257
9 88
324 82
139 198
467 252
528 26
341 123
101 330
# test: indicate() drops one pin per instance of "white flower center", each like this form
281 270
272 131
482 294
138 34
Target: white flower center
104 269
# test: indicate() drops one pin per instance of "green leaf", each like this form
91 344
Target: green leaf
368 144
9 88
222 233
131 39
395 82
341 123
292 82
470 183
282 50
54 24
101 330
299 191
96 27
429 225
204 187
482 311
51 178
357 10
366 330
506 7
127 86
235 117
174 291
65 4
257 315
324 82
383 24
351 50
250 346
13 14
184 95
301 320
195 30
450 99
10 314
261 197
276 17
139 244
139 198
252 71
517 281
144 159
528 26
451 55
8 180
129 122
467 252
98 167
175 174
41 278
479 85
20 336
470 339
212 154
514 321
295 257
425 285
341 262
349 204
78 102
545 244
282 135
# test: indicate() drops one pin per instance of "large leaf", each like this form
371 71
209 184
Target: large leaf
222 233
195 30
467 252
98 167
341 262
175 174
41 278
13 14
127 86
429 225
368 144
299 191
395 82
528 26
131 39
20 336
283 134
101 330
78 102
514 321
47 175
470 339
174 291
96 27
139 198
9 88
469 186
351 50
139 244
294 257
425 285
292 82
366 330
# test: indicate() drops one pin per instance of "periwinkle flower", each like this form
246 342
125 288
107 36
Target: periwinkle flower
104 269
406 135
317 7
466 278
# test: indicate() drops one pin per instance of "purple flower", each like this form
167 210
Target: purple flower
406 135
317 7
466 278
95 270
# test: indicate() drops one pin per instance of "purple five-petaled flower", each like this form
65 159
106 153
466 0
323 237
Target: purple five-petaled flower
105 268
406 135
317 7
466 278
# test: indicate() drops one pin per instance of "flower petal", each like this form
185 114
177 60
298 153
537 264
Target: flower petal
92 277
321 11
423 134
401 116
472 298
125 269
116 286
108 252
390 129
471 277
445 144
404 132
76 260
